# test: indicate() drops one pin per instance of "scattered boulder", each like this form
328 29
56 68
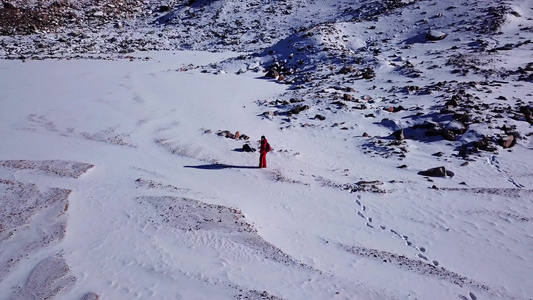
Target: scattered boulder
298 109
437 172
456 127
368 73
528 113
347 97
320 117
346 69
247 148
164 8
398 134
507 141
90 296
434 35
449 135
485 144
395 109
272 74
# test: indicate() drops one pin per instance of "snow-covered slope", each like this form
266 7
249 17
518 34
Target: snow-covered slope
121 176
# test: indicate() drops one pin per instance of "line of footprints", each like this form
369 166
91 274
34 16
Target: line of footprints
362 213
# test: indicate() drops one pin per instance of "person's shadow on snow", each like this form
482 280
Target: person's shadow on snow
219 167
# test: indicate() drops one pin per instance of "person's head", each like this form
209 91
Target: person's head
262 137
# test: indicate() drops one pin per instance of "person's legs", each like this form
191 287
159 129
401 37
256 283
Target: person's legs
262 161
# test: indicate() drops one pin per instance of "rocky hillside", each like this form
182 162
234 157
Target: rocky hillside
453 63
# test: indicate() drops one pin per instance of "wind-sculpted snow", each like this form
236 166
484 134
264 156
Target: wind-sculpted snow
33 218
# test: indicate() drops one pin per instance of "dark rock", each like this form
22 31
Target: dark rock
347 97
434 131
9 5
346 70
461 117
298 109
247 148
449 135
368 73
164 8
485 145
452 103
398 134
226 134
437 172
272 74
320 117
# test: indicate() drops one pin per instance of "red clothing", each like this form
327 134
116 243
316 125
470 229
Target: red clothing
263 150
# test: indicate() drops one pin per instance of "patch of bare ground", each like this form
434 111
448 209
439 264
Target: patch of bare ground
276 175
61 168
195 216
49 278
508 192
31 218
499 213
414 265
156 185
361 186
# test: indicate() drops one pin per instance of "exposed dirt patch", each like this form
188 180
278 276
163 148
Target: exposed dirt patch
31 218
49 278
61 168
195 216
414 265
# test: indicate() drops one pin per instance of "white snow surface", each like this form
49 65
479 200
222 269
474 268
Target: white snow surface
114 181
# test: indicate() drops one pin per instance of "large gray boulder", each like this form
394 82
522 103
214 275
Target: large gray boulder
437 172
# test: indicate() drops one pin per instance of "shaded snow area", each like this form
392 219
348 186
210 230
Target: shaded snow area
401 135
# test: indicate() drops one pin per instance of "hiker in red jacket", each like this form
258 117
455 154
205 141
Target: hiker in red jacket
265 148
